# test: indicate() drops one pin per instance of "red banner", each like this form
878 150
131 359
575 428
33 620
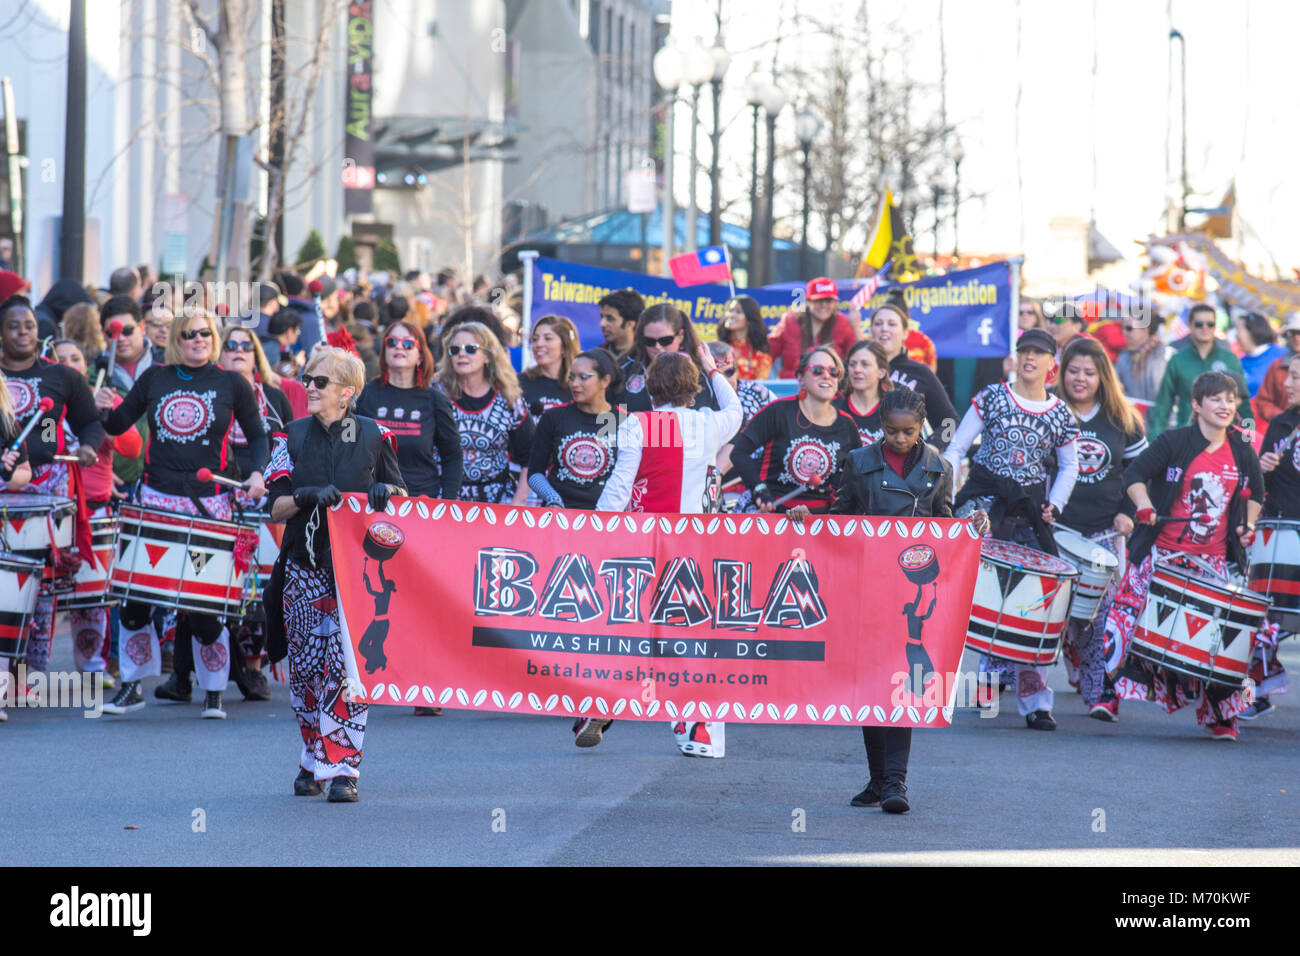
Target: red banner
721 617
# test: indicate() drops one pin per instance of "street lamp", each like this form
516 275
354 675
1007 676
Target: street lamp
721 61
958 154
755 90
668 68
806 127
773 100
1182 126
699 70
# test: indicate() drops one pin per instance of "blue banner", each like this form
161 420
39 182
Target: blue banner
966 313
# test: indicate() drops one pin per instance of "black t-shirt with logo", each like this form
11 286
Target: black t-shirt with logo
542 393
1282 484
428 441
575 450
74 405
869 428
191 413
1104 452
796 452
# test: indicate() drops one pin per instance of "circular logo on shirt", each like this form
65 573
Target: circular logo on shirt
183 415
22 395
1094 457
809 462
586 457
139 648
636 383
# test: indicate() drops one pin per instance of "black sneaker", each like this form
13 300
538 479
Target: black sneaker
343 790
1041 720
128 699
176 688
253 685
893 798
212 705
306 785
869 797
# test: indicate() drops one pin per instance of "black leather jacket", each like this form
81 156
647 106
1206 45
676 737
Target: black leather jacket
868 486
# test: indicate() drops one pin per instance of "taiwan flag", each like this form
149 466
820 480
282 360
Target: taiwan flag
709 265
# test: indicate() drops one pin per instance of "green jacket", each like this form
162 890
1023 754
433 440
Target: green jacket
1176 387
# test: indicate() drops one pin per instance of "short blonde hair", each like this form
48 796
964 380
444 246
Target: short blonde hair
172 353
341 366
259 357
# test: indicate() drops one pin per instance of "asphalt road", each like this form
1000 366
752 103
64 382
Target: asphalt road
495 789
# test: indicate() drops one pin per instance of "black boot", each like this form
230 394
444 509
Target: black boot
343 790
306 785
893 798
870 795
176 687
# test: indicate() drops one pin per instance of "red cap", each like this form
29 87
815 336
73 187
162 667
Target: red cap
11 283
821 288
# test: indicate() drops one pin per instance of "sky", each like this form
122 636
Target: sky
1241 79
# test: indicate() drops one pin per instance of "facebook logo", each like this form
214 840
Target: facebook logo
981 331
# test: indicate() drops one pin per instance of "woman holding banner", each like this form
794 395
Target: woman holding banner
654 475
574 447
329 452
806 439
495 428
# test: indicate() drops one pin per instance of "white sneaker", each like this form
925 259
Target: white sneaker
701 738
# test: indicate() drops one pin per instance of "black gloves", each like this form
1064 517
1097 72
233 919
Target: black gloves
379 495
309 497
761 494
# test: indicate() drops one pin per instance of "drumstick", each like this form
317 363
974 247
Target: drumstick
113 331
813 482
205 475
45 405
70 459
99 379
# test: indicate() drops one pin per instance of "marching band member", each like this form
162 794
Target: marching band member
89 655
866 382
574 446
15 473
554 342
1110 437
654 474
492 419
30 380
661 328
1208 476
805 438
921 486
889 326
1022 427
419 418
1280 464
330 451
191 405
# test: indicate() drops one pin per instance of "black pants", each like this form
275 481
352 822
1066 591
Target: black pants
887 752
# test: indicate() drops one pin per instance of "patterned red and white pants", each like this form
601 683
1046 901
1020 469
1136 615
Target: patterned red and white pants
332 727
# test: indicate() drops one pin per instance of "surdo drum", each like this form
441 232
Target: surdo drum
20 580
1022 598
178 561
1096 567
90 583
1199 626
1275 568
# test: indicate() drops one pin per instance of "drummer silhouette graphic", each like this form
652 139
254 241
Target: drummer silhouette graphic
383 538
920 565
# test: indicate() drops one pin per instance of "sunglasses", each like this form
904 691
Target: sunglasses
467 349
664 341
246 346
394 343
190 335
129 329
1202 325
819 370
320 381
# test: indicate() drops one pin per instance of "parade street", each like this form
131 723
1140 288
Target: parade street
162 787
